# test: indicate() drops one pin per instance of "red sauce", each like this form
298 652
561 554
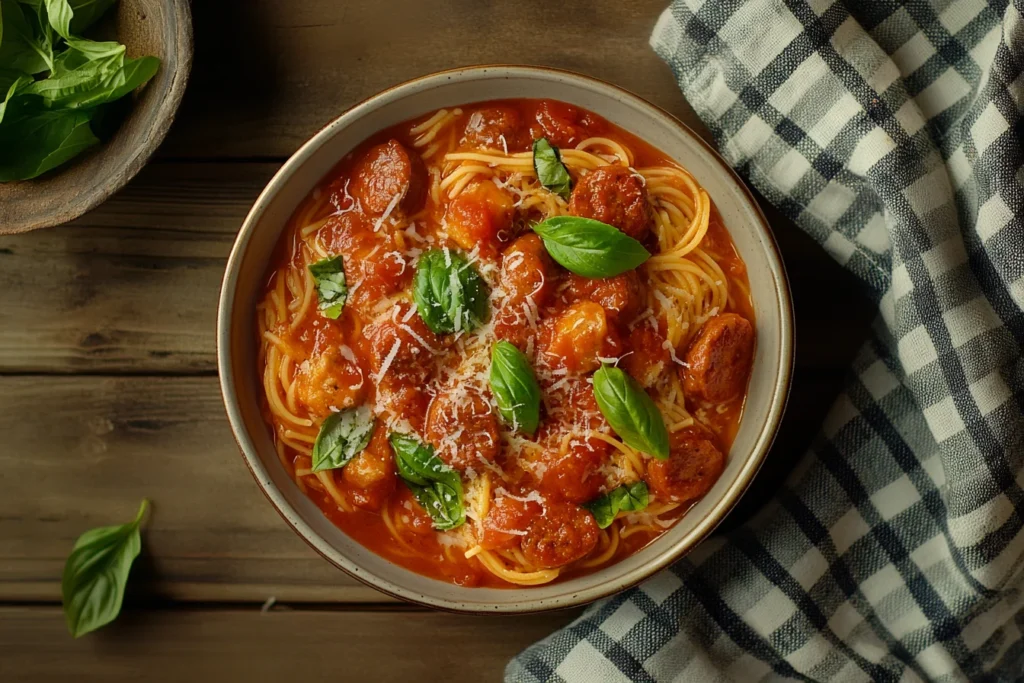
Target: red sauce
353 212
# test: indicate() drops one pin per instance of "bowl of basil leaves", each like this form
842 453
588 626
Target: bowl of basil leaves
88 90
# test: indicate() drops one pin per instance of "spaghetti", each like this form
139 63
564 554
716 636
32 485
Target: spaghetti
463 181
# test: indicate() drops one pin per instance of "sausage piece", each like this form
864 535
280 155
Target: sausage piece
559 123
565 533
507 521
620 296
374 265
370 476
693 466
648 358
402 388
578 338
526 280
329 381
718 360
480 215
494 128
463 414
613 195
387 171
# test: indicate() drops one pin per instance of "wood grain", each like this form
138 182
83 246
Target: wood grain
280 645
274 72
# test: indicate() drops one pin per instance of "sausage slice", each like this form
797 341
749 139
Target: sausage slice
565 533
613 195
387 171
693 466
718 360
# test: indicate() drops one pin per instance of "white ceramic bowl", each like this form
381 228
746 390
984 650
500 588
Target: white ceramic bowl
245 278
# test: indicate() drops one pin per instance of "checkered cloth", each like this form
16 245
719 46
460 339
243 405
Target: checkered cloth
891 134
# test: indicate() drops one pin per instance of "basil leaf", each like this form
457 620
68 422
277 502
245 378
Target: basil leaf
11 82
96 572
631 412
80 80
629 497
331 289
26 42
590 248
74 16
551 172
449 293
515 387
342 437
436 486
33 142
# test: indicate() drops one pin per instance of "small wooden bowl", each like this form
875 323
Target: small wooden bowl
162 28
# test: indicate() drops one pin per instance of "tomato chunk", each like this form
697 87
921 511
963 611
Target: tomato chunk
648 359
575 339
481 215
564 534
370 476
614 195
693 466
495 128
620 296
374 265
462 428
390 173
412 515
506 522
559 122
718 360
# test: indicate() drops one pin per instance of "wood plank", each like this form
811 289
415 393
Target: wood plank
132 287
81 451
269 74
280 645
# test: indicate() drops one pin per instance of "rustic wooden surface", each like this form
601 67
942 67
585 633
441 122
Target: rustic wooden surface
108 389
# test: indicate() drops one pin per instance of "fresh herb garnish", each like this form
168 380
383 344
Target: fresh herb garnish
628 497
551 172
449 293
96 573
515 387
436 486
631 412
54 84
342 437
331 288
590 248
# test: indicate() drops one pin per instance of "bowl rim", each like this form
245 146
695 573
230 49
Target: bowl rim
721 509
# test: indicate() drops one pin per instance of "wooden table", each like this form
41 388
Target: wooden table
108 387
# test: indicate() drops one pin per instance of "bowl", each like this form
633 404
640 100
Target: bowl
161 28
244 281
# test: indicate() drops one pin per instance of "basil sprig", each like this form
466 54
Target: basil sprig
96 572
331 288
449 293
515 387
629 497
590 248
436 486
342 437
631 412
551 172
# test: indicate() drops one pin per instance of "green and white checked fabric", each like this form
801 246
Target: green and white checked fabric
890 132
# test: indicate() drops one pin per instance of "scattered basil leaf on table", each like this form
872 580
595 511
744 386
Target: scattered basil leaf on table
590 248
631 412
342 436
331 288
629 497
551 172
436 486
96 572
449 293
515 387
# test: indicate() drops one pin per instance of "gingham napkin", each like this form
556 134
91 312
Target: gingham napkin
892 134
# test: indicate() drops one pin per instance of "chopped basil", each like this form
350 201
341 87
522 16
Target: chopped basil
515 387
96 572
551 172
631 412
436 486
590 248
342 437
629 497
449 293
331 288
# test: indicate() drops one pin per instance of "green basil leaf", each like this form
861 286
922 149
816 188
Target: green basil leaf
515 387
631 412
629 497
96 572
590 248
87 13
342 437
551 172
59 13
26 43
90 74
34 142
11 83
436 486
331 288
449 293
